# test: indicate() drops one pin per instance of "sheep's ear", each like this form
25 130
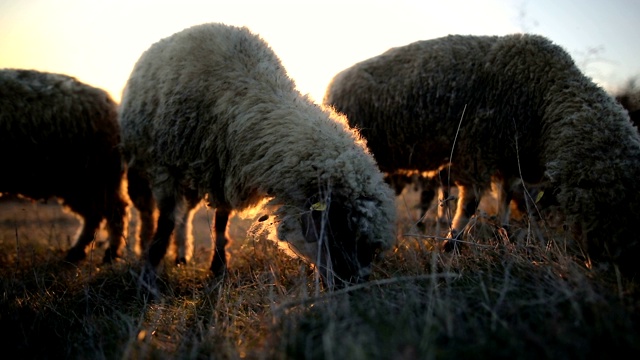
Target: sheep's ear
318 206
312 221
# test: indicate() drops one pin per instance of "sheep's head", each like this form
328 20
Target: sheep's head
341 238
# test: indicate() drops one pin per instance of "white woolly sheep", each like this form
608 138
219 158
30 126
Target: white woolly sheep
209 112
60 138
507 107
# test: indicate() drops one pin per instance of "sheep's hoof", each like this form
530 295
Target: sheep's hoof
218 265
110 255
505 234
450 245
452 242
75 255
220 274
180 261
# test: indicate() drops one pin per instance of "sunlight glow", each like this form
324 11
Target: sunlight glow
99 41
99 44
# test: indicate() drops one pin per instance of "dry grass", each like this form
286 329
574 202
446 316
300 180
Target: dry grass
527 296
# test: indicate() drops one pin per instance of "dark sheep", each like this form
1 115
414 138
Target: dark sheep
506 108
60 138
629 98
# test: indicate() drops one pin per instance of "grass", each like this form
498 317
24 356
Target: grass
528 297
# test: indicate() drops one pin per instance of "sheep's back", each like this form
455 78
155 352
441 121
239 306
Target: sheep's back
215 104
186 88
407 100
420 104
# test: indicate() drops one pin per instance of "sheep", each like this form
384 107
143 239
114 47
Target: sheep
629 98
60 138
210 113
503 107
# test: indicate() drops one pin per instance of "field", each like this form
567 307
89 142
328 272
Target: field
523 295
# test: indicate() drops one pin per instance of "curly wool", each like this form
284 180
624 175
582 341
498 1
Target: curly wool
210 111
524 110
59 138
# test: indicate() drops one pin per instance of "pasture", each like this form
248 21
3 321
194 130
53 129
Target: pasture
526 294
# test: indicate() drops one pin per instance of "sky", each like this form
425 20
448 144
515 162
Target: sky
99 41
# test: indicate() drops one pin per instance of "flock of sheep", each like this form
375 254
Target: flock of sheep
210 114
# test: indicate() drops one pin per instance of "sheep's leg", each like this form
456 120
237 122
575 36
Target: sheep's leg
444 184
117 227
219 262
504 196
90 226
148 218
166 224
142 198
426 198
182 233
521 199
444 205
467 206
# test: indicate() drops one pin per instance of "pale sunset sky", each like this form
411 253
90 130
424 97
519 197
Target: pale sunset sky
99 41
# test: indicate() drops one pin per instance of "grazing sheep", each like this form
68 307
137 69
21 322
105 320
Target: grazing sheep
511 107
59 138
210 112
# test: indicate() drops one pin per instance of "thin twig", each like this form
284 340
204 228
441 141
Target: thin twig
17 248
439 238
374 283
455 138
